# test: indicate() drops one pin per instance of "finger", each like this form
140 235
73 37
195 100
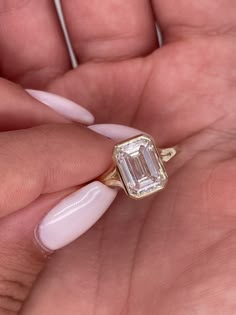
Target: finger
32 48
21 260
18 110
186 18
47 159
110 30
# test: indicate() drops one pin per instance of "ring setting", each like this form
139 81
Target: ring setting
138 167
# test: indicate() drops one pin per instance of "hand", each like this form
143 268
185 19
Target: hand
174 253
43 159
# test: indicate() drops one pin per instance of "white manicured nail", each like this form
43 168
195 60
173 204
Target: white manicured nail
115 132
74 215
63 106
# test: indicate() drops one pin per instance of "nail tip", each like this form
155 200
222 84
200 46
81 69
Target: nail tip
115 131
72 111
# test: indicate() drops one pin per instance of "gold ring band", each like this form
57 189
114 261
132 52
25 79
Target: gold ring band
138 167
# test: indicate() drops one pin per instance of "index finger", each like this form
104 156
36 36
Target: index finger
48 159
20 110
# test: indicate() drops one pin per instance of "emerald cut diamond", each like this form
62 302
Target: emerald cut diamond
140 166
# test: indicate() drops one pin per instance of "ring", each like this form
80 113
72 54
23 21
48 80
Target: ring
138 167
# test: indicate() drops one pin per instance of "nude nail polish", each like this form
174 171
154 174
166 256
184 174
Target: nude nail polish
115 132
63 106
74 215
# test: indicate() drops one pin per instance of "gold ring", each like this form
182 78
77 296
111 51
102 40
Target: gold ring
138 167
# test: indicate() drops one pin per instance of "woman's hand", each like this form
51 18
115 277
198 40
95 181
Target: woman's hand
43 159
173 253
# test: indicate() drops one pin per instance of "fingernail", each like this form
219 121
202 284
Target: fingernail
63 106
115 132
74 215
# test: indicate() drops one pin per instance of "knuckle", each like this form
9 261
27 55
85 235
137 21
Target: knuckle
12 293
20 263
15 285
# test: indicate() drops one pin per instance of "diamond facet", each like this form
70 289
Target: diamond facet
140 166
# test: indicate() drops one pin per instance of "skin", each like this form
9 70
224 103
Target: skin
173 253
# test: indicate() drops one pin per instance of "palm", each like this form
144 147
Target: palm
173 253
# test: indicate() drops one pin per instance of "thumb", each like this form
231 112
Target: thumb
20 258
